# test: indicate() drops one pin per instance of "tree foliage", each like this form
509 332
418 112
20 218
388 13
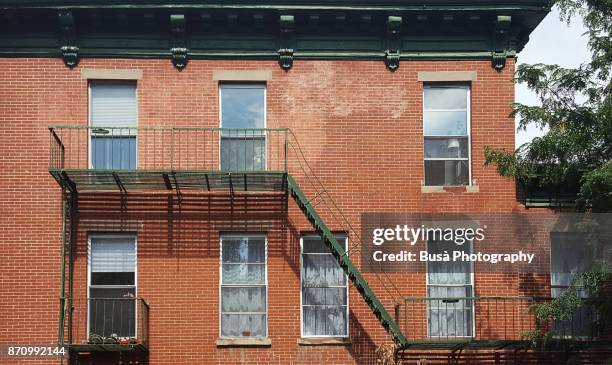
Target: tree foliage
576 108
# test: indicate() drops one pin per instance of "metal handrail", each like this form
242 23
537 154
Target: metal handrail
155 148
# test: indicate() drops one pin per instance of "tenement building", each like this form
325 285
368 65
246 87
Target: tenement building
192 182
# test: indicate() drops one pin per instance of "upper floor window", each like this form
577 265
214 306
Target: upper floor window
113 120
243 113
324 290
243 286
446 130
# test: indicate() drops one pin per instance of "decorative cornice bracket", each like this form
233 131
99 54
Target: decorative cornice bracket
501 39
179 50
285 52
392 53
69 49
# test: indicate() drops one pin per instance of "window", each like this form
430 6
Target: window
113 118
446 129
569 255
112 286
243 286
449 317
243 112
324 290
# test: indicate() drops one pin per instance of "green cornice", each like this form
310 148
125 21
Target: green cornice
407 5
389 31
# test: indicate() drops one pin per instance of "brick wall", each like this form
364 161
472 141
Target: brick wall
360 127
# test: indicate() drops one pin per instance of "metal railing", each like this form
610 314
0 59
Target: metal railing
106 321
81 147
483 318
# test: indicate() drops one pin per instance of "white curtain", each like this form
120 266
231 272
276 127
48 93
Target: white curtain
324 290
449 317
243 290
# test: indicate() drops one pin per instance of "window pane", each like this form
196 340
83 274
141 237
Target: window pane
112 311
321 271
109 254
324 296
242 107
325 321
244 273
446 147
243 154
315 244
113 103
243 325
118 153
244 250
445 98
569 255
450 321
445 123
448 272
112 278
247 299
446 173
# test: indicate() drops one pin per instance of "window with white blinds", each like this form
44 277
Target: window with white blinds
113 103
112 260
113 115
112 286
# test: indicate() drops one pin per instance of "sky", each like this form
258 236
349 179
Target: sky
553 42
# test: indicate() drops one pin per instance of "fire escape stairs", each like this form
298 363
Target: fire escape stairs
341 256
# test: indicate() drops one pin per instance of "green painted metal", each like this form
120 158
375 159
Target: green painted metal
434 5
269 30
62 308
347 265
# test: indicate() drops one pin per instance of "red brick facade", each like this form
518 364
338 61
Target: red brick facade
360 127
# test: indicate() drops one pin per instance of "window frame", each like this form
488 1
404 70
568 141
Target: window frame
221 285
245 85
302 335
90 120
471 284
128 235
468 110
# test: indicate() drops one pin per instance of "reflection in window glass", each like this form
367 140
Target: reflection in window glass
243 147
571 254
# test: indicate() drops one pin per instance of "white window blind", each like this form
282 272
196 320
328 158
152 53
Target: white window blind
113 103
113 254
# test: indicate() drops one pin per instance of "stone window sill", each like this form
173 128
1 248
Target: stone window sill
449 189
324 341
228 342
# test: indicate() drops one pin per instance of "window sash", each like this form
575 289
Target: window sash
226 314
344 306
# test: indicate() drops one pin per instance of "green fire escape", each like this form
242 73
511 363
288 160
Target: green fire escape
170 167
